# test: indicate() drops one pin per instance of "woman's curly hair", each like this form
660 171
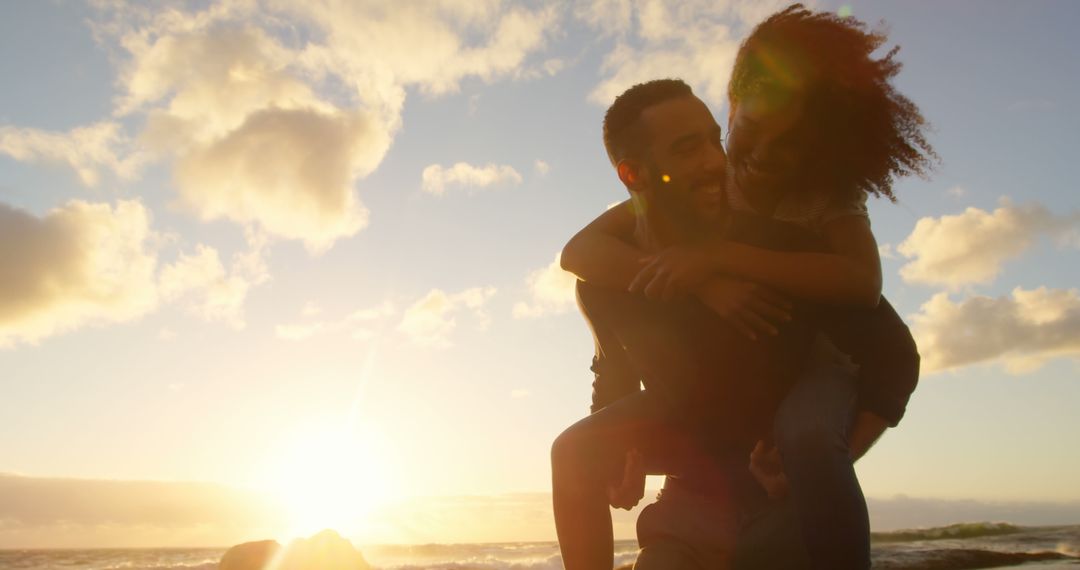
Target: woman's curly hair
865 134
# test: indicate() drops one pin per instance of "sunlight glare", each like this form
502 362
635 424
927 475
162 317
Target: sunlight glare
330 478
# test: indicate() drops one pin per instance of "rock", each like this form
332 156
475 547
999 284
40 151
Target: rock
326 550
249 555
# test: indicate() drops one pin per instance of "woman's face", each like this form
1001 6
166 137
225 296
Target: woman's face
767 148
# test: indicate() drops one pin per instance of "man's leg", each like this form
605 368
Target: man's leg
811 434
686 529
588 456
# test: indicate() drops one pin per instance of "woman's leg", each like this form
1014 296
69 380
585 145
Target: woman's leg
811 433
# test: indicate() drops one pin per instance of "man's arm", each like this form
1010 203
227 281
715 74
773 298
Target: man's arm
613 375
601 253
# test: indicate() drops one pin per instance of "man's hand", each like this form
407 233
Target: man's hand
749 307
768 469
672 273
627 493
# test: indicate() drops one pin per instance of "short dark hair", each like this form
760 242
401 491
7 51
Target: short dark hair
623 136
866 134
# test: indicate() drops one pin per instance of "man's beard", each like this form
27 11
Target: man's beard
680 217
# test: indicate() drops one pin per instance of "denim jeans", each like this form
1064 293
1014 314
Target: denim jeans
811 431
823 522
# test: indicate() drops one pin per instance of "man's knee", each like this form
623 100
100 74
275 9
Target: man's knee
571 450
565 447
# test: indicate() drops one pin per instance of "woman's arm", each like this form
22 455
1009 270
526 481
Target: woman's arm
849 275
602 252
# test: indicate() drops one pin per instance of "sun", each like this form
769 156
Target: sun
327 477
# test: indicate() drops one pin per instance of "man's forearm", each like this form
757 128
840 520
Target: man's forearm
865 431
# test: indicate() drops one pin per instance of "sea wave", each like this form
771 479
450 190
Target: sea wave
961 558
953 531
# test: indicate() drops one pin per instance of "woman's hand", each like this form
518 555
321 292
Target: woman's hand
752 309
673 273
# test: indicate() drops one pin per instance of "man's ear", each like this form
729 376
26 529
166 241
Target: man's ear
630 173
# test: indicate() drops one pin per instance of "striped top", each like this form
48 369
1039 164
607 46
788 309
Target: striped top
805 209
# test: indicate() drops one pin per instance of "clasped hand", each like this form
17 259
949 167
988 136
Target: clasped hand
677 271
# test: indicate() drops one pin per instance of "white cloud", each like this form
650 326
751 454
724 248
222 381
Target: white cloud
310 309
431 320
211 292
276 135
87 150
359 324
551 291
541 167
695 40
300 331
436 179
289 171
1022 331
971 247
80 264
957 192
886 251
95 264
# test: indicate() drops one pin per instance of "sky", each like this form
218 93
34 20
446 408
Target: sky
253 248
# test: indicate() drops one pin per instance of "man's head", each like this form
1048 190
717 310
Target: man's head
666 148
811 107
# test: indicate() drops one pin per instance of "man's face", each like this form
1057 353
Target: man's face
684 162
767 147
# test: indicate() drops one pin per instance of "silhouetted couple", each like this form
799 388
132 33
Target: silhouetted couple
742 289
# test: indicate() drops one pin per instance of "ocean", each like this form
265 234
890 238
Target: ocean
966 546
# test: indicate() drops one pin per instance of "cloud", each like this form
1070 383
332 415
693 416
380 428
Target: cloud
431 320
694 40
1022 331
360 324
551 291
271 131
289 171
971 247
957 192
541 167
211 292
436 179
87 150
431 45
86 264
38 512
80 264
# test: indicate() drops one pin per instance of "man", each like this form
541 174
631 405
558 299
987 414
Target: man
669 156
667 152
